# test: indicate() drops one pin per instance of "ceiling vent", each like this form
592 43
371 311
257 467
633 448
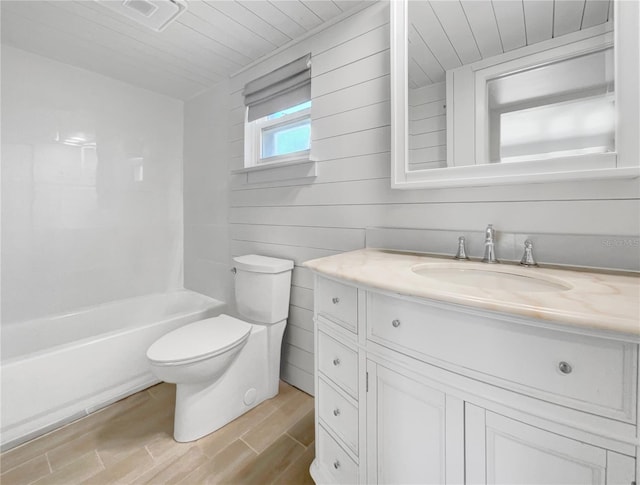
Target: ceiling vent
154 14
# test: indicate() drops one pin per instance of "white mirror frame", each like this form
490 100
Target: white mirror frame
627 156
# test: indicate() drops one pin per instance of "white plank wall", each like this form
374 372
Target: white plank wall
351 140
427 127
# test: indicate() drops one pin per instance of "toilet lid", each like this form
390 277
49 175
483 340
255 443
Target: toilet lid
199 340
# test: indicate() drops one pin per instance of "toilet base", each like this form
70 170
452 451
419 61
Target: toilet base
202 408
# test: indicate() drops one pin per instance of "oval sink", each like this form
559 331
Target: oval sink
482 276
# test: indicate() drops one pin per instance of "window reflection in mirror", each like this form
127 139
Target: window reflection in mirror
562 109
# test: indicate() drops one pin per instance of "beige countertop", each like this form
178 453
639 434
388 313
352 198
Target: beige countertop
576 297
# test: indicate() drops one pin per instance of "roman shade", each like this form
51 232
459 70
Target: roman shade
283 88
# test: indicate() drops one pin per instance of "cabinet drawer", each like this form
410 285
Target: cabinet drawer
586 373
334 459
339 415
338 303
339 363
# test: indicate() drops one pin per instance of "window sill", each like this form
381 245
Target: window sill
302 168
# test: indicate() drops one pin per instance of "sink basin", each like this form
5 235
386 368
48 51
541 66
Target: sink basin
489 277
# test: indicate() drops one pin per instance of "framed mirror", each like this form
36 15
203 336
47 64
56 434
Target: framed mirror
509 92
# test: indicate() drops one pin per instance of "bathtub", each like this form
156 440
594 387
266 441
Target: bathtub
58 369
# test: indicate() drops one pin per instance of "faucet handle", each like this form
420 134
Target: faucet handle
462 252
527 258
489 233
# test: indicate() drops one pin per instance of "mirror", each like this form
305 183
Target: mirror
510 91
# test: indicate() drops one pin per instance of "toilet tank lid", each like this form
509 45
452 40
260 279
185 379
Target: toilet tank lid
262 264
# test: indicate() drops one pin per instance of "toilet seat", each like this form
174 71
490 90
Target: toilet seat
199 340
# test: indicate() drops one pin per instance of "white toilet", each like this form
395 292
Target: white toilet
224 366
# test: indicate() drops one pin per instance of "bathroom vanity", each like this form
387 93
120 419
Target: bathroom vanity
430 370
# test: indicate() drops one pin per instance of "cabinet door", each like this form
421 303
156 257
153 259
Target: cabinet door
406 424
500 450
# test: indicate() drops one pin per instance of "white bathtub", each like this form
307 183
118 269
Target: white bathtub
58 369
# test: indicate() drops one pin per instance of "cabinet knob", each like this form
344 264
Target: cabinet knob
335 300
336 464
336 361
336 412
565 367
396 323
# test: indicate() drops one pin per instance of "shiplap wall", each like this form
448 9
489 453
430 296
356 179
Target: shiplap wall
351 139
427 127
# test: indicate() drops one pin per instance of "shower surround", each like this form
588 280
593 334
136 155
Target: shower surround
91 214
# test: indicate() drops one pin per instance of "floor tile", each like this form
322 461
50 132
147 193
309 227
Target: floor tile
131 442
112 448
269 464
213 443
304 430
298 472
266 432
27 472
165 447
171 471
221 466
124 471
163 392
41 445
76 472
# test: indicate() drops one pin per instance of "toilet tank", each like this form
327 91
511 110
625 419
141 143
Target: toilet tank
262 287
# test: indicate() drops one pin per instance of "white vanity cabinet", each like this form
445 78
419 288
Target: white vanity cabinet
415 430
503 450
338 383
411 390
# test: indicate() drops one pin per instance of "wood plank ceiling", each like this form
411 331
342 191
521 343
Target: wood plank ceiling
206 44
445 34
215 38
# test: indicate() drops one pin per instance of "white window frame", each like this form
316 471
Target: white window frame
253 139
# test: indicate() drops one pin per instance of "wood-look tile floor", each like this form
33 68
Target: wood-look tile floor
131 442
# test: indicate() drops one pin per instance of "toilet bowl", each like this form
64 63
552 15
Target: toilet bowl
224 366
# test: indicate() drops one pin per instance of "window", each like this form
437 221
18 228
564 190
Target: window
577 127
561 109
278 115
286 133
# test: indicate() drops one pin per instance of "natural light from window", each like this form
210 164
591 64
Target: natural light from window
285 132
578 127
561 109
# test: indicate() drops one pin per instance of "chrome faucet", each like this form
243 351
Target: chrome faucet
489 245
527 258
462 251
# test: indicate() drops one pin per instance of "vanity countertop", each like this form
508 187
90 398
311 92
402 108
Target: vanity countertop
595 300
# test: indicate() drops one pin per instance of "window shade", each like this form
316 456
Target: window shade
283 88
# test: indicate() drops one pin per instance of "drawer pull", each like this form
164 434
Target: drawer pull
336 464
336 412
396 323
336 361
335 300
565 367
